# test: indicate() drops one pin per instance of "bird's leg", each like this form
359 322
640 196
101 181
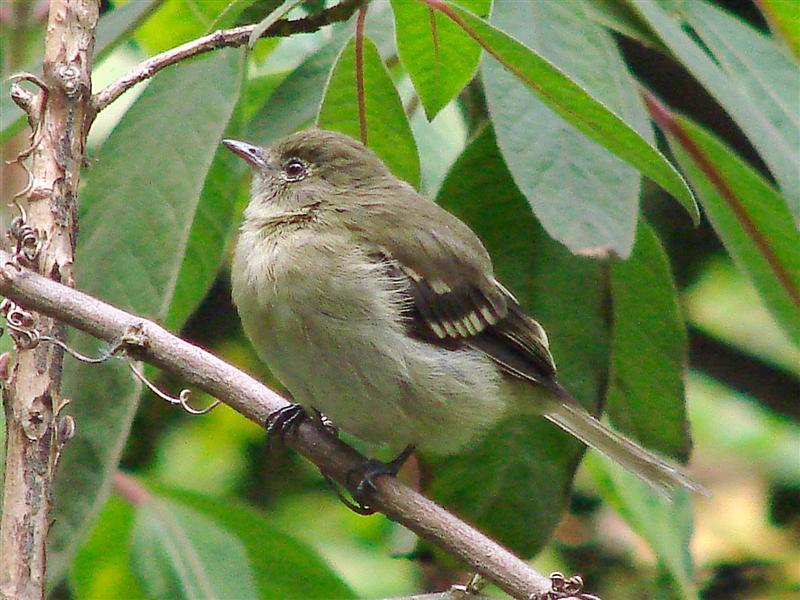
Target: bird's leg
326 423
361 480
356 507
285 420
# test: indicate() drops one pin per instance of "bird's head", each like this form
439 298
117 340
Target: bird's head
308 165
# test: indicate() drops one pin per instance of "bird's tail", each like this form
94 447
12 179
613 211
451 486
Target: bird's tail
662 474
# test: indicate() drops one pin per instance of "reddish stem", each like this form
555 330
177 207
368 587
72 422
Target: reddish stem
434 33
129 489
362 105
448 11
666 121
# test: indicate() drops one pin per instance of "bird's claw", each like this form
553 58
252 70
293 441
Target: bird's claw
564 588
361 480
285 420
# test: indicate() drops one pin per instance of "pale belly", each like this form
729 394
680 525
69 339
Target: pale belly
395 392
351 359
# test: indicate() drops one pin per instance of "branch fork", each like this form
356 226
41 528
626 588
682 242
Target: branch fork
60 115
256 402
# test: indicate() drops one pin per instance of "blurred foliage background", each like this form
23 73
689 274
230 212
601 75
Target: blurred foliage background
696 326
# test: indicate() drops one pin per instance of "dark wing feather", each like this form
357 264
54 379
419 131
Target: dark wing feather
518 344
446 274
465 316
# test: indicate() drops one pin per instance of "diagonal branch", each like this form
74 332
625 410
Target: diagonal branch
255 401
223 38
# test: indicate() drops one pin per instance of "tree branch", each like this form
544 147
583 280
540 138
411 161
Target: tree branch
253 400
238 36
45 240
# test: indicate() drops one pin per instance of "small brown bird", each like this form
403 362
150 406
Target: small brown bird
380 309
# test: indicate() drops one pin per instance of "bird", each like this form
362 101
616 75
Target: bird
379 309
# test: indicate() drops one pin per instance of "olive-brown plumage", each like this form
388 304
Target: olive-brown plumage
380 309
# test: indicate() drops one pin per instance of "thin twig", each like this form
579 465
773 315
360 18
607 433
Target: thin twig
255 401
224 38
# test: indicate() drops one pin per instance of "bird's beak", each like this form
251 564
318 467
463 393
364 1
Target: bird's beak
252 154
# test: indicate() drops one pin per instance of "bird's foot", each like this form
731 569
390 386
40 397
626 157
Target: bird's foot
361 480
285 420
326 423
473 587
564 588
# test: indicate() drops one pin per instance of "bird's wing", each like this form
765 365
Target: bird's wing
463 316
454 300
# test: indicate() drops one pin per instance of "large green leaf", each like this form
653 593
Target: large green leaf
214 223
284 567
112 28
101 567
295 102
665 525
137 212
235 10
759 91
177 552
388 132
179 21
752 221
514 483
784 20
762 72
572 102
645 397
617 15
584 196
439 57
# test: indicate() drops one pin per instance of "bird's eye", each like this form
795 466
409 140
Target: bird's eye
294 170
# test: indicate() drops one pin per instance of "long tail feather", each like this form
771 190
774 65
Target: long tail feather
662 474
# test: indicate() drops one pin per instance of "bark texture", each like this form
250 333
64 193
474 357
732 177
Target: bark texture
36 430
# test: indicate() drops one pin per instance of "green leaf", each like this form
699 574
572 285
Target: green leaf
177 552
100 568
784 20
179 21
283 566
137 211
439 57
759 91
665 525
214 223
573 103
618 16
646 394
295 102
763 73
233 13
388 132
584 196
272 17
112 28
256 11
514 484
753 222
